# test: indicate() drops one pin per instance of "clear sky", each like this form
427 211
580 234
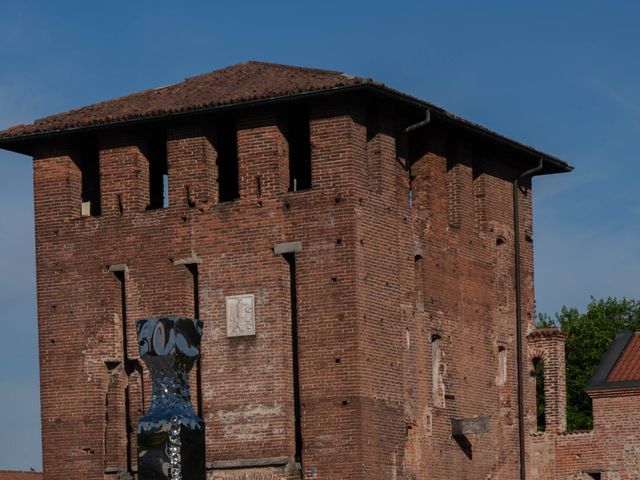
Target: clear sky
562 76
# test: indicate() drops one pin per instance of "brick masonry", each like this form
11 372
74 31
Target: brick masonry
13 475
389 284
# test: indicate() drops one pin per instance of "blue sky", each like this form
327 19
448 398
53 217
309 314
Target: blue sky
562 76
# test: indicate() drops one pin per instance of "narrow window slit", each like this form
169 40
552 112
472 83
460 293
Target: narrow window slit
419 282
538 371
437 370
195 273
502 366
227 161
291 260
298 135
158 172
88 161
190 202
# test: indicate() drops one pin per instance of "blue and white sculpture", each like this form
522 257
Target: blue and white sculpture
170 434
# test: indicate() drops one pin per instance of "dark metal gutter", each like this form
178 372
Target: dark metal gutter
519 333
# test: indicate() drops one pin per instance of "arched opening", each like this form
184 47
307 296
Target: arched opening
538 371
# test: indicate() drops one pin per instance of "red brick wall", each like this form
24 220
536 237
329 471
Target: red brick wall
7 475
368 409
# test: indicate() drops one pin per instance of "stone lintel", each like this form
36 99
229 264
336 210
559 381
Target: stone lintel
287 247
248 463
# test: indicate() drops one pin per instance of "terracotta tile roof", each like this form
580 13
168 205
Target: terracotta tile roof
620 366
628 365
234 85
11 475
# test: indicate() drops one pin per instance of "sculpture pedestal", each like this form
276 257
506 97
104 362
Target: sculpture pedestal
170 435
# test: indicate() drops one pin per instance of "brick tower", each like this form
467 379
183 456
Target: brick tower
350 249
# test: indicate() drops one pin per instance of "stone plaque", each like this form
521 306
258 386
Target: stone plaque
241 319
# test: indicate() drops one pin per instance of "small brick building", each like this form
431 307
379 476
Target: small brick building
362 261
611 450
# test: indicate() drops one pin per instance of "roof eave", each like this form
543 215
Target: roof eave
23 143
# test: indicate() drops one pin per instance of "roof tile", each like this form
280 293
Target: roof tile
235 84
627 368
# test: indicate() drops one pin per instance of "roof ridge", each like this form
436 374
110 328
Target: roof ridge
270 64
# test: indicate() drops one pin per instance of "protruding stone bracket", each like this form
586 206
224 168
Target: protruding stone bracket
467 426
192 260
121 267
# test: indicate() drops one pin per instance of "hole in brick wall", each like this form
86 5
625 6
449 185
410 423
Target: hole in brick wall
345 402
500 241
87 158
339 241
338 360
296 131
120 205
334 279
258 185
190 202
227 161
287 205
338 200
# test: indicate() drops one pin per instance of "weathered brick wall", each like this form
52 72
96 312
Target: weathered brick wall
463 293
366 314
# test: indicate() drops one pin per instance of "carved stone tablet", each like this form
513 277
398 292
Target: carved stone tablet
241 319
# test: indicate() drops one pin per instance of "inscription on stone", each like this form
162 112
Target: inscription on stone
241 320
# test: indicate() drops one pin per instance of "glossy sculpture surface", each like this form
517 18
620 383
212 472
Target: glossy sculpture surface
170 434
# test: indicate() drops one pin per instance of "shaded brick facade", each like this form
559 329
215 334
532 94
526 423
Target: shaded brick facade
402 306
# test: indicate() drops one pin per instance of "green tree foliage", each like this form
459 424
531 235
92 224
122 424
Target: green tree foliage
589 336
